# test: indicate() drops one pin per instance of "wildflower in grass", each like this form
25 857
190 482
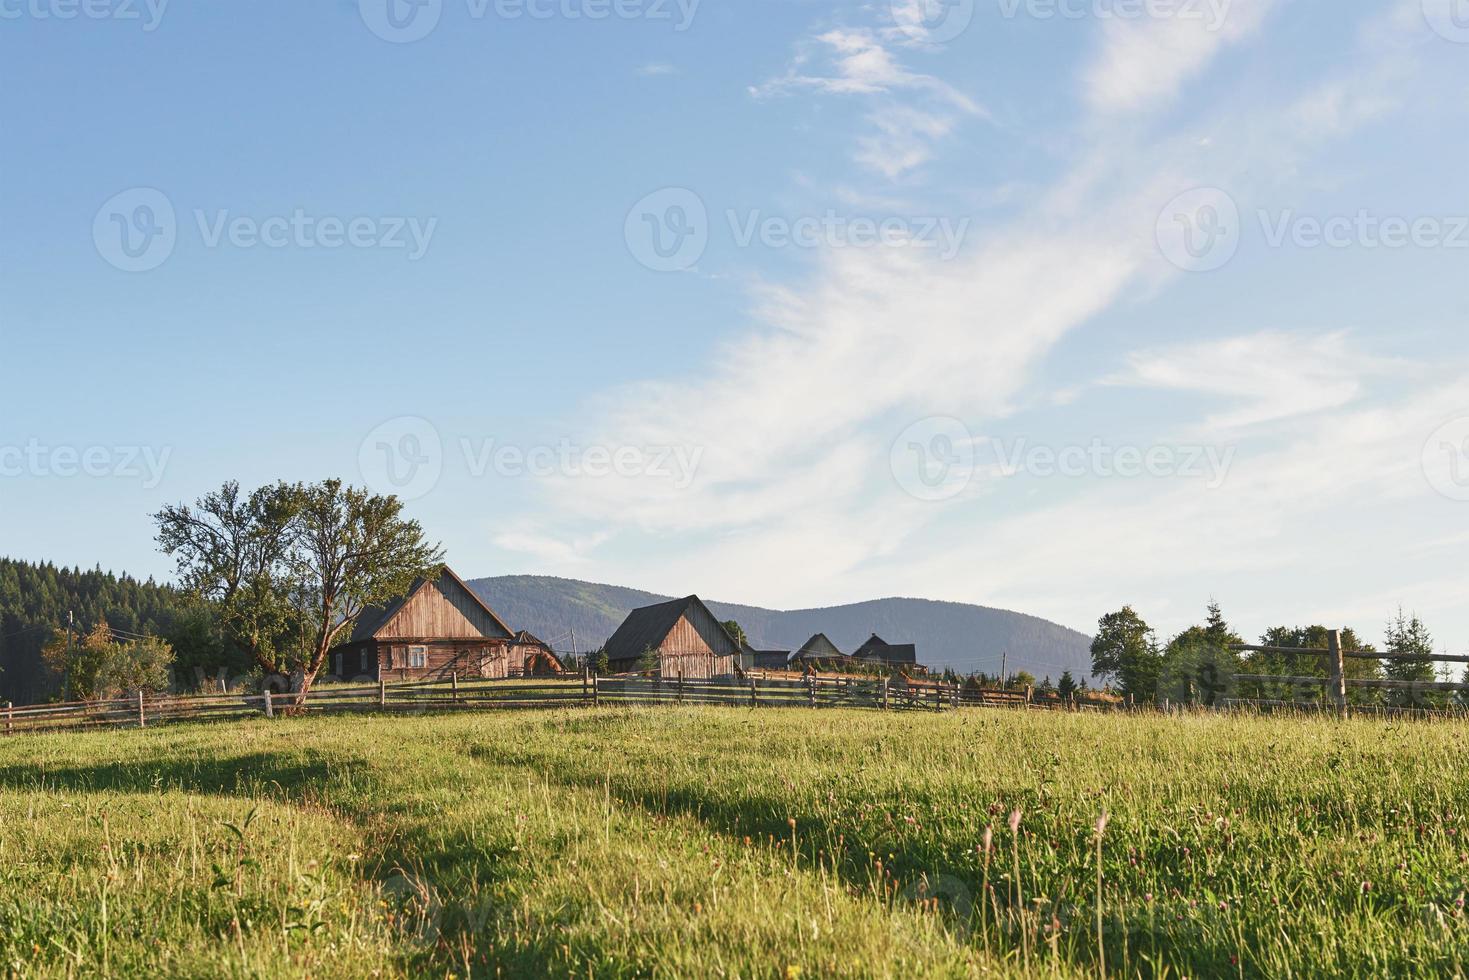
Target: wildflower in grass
1014 821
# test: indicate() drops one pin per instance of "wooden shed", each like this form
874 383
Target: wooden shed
878 652
752 659
439 628
819 652
678 637
533 657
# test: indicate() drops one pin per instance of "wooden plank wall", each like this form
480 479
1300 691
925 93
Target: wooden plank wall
441 609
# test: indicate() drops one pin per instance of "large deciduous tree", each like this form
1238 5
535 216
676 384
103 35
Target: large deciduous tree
289 568
1126 651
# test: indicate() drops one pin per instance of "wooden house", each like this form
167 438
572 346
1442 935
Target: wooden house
819 652
678 637
532 657
877 652
439 628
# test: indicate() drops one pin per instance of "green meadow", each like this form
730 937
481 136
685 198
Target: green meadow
737 842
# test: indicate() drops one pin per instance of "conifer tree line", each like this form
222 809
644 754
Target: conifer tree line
1198 666
117 625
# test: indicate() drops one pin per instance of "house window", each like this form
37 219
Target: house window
418 656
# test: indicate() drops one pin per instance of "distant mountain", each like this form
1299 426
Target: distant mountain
948 634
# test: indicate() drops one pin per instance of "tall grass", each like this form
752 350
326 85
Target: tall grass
738 842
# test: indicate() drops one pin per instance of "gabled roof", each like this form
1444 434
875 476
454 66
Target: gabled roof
527 638
880 650
646 628
819 648
374 618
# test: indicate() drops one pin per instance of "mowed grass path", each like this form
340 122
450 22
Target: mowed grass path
738 843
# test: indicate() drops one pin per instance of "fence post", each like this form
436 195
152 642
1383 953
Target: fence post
142 717
884 694
1029 695
1338 671
9 718
754 696
596 692
811 691
454 686
382 692
680 687
269 703
586 687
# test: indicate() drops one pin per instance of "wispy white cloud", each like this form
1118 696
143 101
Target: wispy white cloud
1145 62
857 63
1269 376
795 501
655 69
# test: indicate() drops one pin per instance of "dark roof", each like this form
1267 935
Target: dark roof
646 628
819 648
374 618
527 638
880 650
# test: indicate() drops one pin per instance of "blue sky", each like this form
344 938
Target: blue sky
802 411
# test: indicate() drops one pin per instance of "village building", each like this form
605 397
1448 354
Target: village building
680 637
878 652
819 652
531 656
438 629
752 659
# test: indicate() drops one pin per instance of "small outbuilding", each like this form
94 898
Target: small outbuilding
439 628
678 637
819 652
533 657
892 656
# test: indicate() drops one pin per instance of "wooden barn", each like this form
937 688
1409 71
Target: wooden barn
439 628
878 652
533 657
679 637
819 652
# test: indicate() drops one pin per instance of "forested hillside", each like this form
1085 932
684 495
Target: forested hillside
36 598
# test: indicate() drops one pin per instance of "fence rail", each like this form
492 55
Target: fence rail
1336 682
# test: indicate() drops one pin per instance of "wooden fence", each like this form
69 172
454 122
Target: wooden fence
1336 682
825 691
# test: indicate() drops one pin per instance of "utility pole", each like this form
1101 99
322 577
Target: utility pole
66 674
574 655
1004 681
